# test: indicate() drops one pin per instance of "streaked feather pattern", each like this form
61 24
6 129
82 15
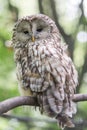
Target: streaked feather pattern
44 69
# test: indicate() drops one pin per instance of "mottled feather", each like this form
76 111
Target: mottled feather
43 67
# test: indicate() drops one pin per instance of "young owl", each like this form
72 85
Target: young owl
43 67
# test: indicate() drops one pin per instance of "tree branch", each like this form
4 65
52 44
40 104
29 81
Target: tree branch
84 70
11 103
40 6
68 38
80 97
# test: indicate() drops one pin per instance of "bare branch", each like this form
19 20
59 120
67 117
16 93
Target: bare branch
80 97
84 70
17 101
31 101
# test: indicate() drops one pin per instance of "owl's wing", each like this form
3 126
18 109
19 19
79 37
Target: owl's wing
63 76
57 100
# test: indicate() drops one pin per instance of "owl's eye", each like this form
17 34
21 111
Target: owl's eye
39 29
25 32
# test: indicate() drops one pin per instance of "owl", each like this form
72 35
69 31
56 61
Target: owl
44 69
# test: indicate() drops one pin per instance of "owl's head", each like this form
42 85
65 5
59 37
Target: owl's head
34 27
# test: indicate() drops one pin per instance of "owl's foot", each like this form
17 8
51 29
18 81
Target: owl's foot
64 121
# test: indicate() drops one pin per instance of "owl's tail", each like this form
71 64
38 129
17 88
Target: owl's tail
64 121
55 108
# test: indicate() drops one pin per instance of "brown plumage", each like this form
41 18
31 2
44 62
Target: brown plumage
43 67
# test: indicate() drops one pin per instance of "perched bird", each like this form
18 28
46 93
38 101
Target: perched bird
43 67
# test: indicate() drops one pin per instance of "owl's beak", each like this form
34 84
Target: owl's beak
33 39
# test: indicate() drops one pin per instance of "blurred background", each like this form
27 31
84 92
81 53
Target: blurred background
71 19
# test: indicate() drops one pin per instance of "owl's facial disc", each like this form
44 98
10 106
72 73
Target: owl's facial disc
36 29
